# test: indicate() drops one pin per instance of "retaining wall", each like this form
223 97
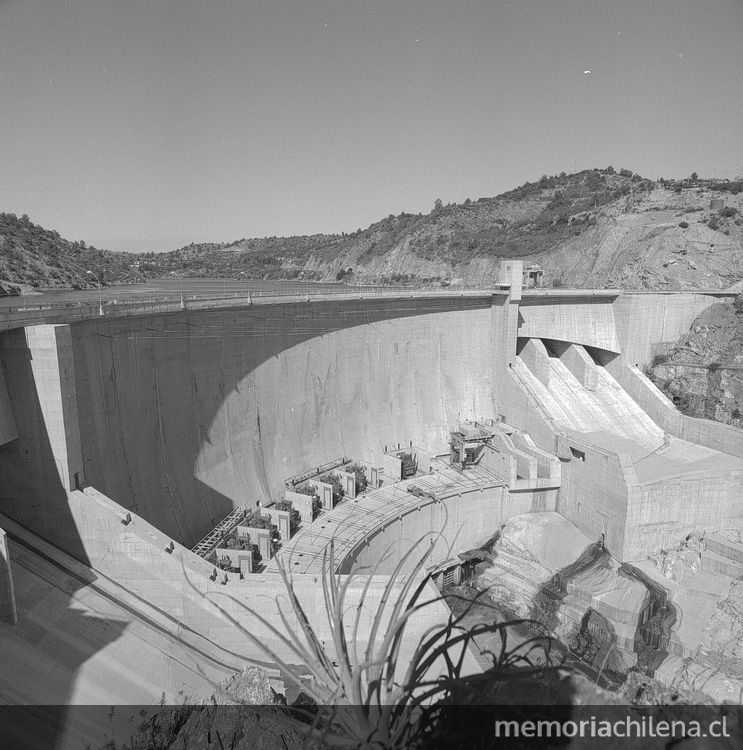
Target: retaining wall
705 432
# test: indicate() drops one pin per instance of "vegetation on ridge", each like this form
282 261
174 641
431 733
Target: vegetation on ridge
35 257
593 228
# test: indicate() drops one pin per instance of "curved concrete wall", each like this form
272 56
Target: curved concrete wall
580 320
644 320
456 524
182 416
715 435
185 416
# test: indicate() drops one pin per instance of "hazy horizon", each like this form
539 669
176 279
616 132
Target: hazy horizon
147 126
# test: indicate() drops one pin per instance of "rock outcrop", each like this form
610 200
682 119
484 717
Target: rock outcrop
571 586
682 562
251 686
702 373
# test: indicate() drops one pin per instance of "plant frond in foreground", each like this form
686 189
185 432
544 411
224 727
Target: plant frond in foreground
371 687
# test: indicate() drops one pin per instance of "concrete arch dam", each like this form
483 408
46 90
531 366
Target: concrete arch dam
180 418
126 439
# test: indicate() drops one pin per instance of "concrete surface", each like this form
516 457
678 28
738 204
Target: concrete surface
8 429
8 609
77 643
461 511
646 394
667 486
206 412
580 319
176 417
643 320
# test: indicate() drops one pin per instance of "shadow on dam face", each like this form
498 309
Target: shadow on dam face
29 471
31 489
185 416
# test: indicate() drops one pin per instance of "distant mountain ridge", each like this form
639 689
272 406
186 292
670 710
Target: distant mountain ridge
594 228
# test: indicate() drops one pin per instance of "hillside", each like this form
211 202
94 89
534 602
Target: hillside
594 228
32 257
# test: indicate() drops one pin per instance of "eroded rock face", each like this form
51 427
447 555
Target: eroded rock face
227 720
545 569
723 637
250 686
683 562
525 559
700 372
546 538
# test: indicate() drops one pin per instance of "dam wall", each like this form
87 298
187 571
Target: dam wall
580 318
8 429
645 319
184 416
660 514
716 435
451 526
596 486
629 322
137 434
44 463
220 618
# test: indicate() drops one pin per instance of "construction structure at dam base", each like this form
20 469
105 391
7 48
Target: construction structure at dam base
158 468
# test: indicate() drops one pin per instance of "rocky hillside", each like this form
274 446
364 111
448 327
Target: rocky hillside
32 257
594 228
591 229
702 373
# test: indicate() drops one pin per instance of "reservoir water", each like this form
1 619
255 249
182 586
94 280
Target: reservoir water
158 288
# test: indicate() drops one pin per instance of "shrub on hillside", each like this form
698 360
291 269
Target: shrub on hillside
344 274
683 224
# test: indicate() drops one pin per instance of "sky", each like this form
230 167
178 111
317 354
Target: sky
150 124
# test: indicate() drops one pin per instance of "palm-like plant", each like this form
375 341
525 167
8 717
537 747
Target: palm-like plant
367 697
